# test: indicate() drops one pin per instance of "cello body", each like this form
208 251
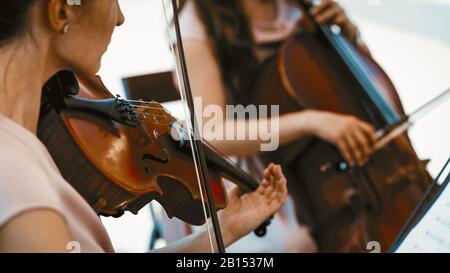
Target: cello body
346 207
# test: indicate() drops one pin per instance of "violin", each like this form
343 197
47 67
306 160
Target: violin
120 155
346 207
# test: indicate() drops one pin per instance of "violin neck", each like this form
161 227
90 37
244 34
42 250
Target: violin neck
227 169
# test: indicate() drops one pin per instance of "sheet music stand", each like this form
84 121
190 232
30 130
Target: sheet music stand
429 199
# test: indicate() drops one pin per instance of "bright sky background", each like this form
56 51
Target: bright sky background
409 38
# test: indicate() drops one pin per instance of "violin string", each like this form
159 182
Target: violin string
146 111
139 109
139 102
147 114
177 126
146 107
174 125
142 101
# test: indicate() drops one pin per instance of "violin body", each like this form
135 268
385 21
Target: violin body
346 208
119 163
119 168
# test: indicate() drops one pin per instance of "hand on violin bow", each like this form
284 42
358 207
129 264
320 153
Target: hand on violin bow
353 137
246 212
329 11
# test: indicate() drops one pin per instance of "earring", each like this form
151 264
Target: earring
65 28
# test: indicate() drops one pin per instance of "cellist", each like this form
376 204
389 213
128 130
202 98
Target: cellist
225 41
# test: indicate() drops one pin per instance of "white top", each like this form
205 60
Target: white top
264 32
30 180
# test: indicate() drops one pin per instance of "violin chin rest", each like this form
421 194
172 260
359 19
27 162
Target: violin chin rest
66 82
178 202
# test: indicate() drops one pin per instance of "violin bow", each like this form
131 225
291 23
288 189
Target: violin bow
197 144
386 135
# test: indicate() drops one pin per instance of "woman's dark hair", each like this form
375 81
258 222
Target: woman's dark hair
13 17
233 42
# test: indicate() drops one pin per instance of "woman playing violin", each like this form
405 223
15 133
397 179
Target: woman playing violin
39 210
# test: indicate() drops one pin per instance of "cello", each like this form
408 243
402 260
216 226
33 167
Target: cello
346 207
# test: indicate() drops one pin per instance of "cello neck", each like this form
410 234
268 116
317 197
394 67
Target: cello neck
351 58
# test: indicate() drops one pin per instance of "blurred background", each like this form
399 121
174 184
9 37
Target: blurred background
409 38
